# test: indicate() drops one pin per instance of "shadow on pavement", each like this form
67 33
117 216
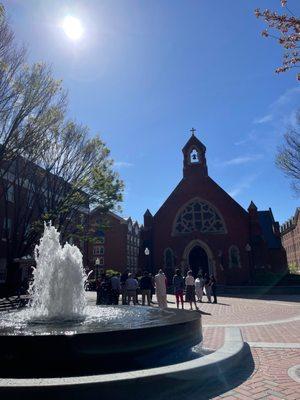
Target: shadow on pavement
290 298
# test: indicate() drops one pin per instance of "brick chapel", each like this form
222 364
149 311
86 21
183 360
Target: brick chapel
202 227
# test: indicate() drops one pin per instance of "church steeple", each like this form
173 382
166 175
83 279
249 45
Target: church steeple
194 161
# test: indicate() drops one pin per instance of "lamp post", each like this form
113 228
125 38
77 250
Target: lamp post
147 254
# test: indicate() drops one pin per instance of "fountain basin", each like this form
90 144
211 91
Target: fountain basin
122 338
175 381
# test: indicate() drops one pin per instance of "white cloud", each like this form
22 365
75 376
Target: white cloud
123 164
286 97
263 120
242 160
281 114
246 183
249 138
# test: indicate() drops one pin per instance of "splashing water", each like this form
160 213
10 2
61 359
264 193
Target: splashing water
58 287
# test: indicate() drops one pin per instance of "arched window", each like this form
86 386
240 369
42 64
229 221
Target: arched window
234 257
198 215
194 156
169 261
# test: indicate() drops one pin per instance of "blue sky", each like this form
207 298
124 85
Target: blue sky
145 72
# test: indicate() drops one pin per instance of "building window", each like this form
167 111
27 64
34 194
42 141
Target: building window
31 195
3 270
101 250
169 258
199 216
101 261
7 224
194 156
11 194
96 250
234 257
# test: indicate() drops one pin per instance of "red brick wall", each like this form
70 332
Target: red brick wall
236 221
291 241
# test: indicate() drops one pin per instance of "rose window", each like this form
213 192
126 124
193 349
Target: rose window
199 216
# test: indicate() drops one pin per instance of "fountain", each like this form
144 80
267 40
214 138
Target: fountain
59 335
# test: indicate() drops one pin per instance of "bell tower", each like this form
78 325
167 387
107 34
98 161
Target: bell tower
194 160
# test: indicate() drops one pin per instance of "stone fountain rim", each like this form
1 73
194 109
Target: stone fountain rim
233 351
189 316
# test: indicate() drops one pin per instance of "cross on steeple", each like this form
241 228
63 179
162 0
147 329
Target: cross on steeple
193 130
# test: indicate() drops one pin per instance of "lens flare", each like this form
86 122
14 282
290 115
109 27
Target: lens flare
72 27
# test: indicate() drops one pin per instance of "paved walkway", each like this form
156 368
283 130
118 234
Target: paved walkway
271 326
272 329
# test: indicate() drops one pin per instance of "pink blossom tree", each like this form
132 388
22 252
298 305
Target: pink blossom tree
285 28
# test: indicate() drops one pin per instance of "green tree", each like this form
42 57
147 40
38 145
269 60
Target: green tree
50 168
31 101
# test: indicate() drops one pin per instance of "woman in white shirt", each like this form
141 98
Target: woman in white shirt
190 290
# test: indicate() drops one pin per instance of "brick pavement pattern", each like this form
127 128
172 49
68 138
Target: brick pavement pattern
265 322
260 320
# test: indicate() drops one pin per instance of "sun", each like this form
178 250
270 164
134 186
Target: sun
72 27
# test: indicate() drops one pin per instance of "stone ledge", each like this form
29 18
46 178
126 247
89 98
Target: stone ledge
139 383
294 373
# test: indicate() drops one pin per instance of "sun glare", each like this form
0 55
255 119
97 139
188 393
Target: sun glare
72 27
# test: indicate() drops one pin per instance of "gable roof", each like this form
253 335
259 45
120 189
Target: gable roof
193 141
266 220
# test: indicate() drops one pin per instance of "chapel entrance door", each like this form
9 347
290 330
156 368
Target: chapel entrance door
198 260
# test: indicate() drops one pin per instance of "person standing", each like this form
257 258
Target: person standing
131 286
145 286
161 289
199 284
104 290
152 287
178 283
207 287
115 288
190 290
213 287
123 279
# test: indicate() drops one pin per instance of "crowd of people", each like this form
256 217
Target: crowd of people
127 286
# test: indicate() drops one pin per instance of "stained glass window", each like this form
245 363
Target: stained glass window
169 258
200 216
234 257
